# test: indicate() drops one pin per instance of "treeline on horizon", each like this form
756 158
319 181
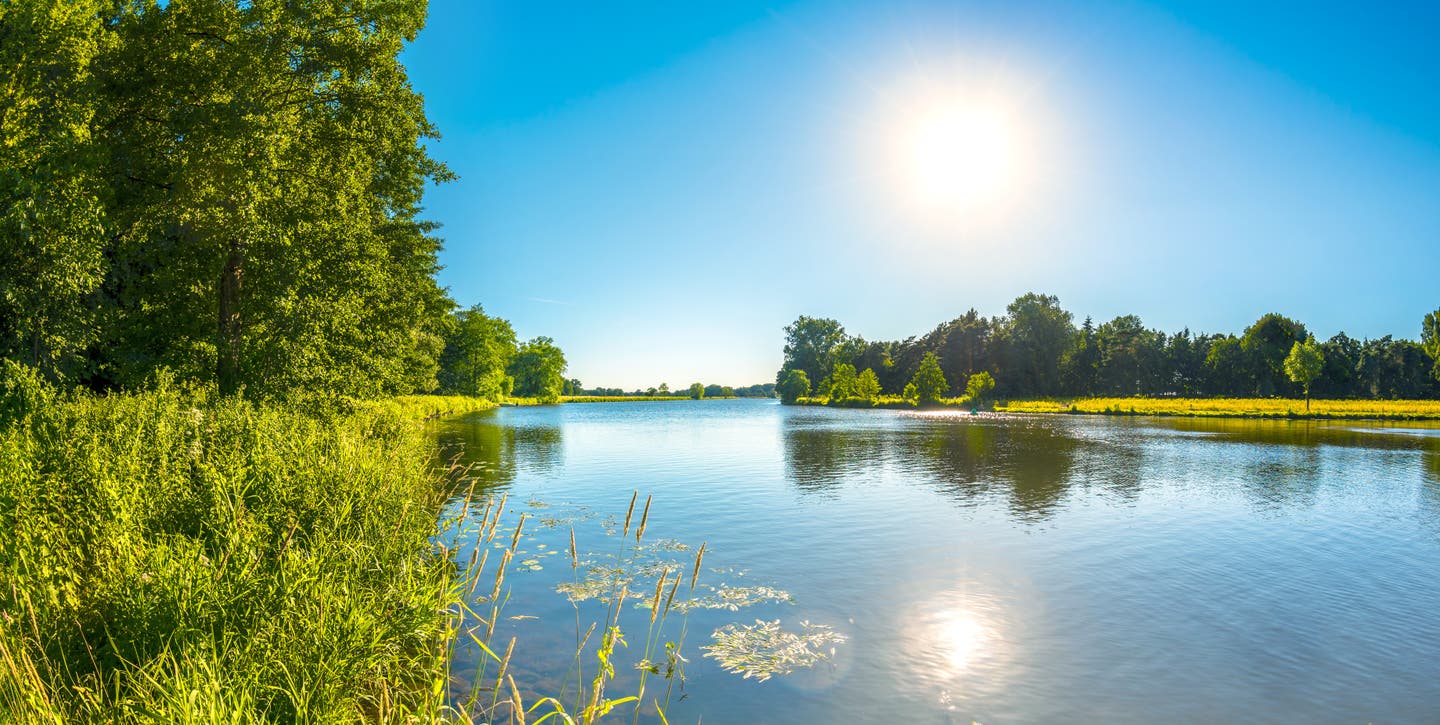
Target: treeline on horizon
1036 350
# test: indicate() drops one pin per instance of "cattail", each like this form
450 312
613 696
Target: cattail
500 575
699 555
517 711
505 663
629 512
574 555
659 589
673 587
644 516
475 577
519 525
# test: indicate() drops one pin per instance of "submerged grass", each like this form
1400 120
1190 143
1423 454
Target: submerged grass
1233 407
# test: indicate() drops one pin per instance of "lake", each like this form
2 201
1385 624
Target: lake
994 568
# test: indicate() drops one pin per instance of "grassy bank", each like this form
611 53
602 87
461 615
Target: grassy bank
171 557
892 402
1233 407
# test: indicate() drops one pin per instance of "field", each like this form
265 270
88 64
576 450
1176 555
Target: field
1233 407
893 402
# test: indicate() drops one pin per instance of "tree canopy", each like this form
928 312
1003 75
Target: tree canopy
227 189
1034 350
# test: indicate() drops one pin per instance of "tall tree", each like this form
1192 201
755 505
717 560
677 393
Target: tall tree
1303 365
1430 340
478 349
1267 342
811 344
268 161
53 197
1036 333
929 380
539 370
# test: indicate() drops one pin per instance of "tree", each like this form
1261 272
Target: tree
1430 341
538 369
909 393
1303 365
225 188
929 380
842 381
793 386
867 386
1266 343
1036 333
664 389
810 345
697 391
53 194
978 387
478 350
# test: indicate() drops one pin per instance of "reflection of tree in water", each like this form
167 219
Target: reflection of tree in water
971 461
1430 460
819 458
495 452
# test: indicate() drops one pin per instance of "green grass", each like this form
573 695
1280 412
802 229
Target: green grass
619 398
170 557
893 402
1233 407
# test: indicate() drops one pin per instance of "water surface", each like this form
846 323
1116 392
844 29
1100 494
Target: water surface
1004 568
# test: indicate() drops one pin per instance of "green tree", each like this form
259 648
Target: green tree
255 221
1267 343
867 386
477 354
1036 333
929 380
53 194
910 393
1303 365
978 387
810 345
793 386
539 369
1430 341
697 391
842 381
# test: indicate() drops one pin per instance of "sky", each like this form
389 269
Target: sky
662 187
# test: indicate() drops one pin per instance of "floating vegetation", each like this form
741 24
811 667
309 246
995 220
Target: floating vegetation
733 598
763 650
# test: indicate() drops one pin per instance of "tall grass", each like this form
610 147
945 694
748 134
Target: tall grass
1233 407
170 557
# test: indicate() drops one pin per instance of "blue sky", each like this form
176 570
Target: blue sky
662 187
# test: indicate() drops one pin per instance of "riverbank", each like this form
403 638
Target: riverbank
889 402
1233 408
170 556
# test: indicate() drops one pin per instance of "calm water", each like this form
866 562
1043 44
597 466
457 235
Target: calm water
1004 568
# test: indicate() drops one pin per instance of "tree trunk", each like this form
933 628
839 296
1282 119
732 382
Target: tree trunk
227 370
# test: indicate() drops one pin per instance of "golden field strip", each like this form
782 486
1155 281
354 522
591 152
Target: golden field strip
1233 407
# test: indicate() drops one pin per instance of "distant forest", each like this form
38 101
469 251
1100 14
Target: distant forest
1036 350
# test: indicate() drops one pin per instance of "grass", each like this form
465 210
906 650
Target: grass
172 557
893 402
619 398
1233 407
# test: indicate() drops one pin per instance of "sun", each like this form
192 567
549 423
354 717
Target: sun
958 156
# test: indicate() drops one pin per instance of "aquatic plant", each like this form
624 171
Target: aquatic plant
763 649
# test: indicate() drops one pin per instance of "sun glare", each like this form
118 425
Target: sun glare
957 157
957 153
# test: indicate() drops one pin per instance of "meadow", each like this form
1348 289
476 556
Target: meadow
1232 407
